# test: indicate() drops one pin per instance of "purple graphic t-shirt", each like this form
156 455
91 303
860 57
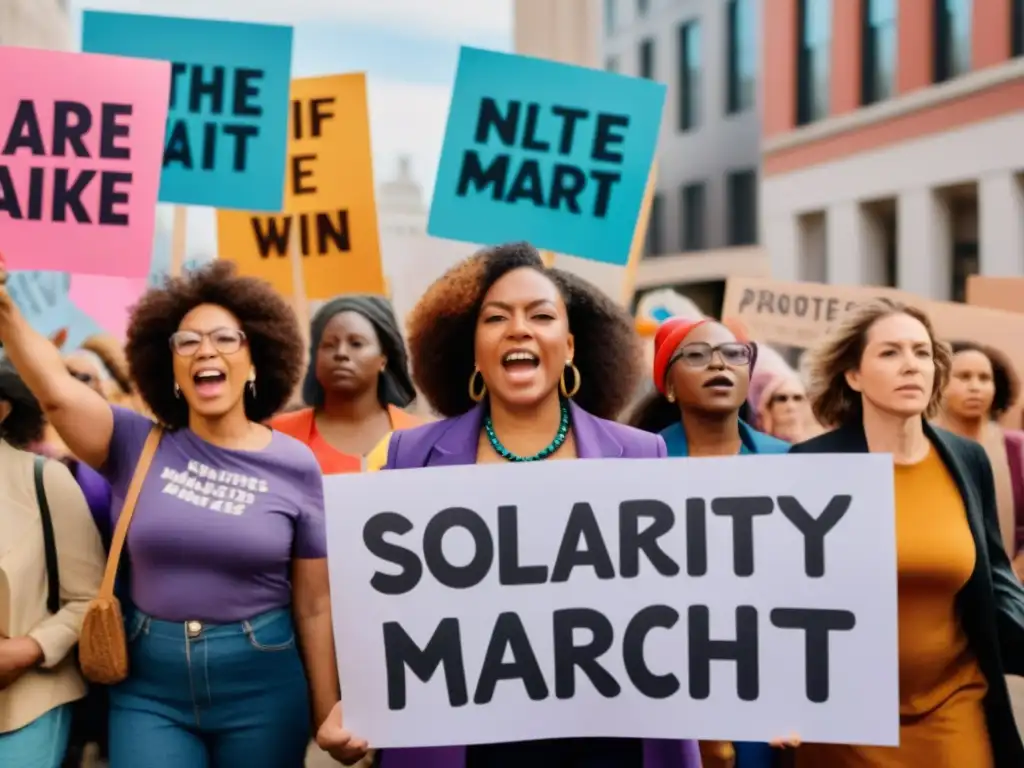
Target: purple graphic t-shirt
215 530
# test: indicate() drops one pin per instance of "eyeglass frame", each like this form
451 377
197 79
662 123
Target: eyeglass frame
242 339
750 346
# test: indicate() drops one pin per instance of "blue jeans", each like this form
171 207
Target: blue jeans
211 696
40 744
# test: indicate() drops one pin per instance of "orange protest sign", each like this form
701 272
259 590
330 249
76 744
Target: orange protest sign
329 219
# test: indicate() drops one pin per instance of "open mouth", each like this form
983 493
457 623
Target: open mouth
209 382
520 364
718 382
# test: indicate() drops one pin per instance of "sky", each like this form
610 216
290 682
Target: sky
408 48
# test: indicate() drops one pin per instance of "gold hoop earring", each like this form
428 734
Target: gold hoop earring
477 395
576 381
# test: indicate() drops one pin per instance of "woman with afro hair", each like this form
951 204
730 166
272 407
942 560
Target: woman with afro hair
526 364
229 632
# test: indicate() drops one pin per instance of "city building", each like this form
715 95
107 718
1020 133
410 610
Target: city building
35 24
892 151
703 224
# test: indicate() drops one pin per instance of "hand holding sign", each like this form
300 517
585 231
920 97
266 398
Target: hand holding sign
334 739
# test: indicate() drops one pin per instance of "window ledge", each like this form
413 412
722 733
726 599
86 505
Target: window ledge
898 106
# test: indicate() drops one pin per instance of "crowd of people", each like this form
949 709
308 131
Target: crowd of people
224 583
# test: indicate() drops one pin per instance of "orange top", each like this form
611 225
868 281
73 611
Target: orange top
302 426
942 720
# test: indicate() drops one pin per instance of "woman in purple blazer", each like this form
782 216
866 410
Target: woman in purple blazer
527 364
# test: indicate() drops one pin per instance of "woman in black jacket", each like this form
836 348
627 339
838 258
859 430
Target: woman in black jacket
876 381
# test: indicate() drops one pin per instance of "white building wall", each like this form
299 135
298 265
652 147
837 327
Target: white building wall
35 24
990 153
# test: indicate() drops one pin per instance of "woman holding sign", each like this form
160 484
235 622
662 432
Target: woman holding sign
357 384
527 364
876 381
230 640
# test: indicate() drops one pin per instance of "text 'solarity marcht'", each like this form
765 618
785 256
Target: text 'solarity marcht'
656 596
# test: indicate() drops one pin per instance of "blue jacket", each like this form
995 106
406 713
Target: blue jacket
748 754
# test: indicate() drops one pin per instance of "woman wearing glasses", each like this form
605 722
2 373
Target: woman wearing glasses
230 637
702 376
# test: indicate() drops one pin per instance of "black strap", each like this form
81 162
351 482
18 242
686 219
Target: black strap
49 542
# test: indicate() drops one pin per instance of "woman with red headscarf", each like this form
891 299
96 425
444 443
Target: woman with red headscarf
702 379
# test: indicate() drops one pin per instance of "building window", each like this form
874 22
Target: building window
952 39
1017 27
609 16
814 50
742 54
611 64
654 241
642 6
742 214
647 59
878 76
693 213
689 75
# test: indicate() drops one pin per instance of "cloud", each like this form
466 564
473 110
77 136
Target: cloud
450 19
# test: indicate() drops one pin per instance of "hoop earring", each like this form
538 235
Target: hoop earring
177 390
474 394
576 381
670 396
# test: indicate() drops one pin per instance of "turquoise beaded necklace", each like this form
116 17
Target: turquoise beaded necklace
554 445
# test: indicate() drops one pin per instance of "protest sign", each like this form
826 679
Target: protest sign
547 152
79 160
1005 293
329 218
107 300
227 128
800 314
641 598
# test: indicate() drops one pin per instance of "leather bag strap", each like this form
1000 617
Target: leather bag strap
128 511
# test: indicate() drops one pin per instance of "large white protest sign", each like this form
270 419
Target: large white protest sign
737 598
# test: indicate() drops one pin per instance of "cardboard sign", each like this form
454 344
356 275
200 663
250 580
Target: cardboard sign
618 598
330 214
547 152
1005 293
800 314
227 128
79 161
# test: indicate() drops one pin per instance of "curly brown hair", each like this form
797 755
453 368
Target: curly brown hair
442 327
833 401
270 326
1004 377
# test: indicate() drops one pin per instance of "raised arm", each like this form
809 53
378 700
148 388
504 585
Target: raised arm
80 415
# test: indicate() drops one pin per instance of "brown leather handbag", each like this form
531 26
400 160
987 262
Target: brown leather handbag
102 646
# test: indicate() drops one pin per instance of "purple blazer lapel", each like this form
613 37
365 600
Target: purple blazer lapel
593 441
458 444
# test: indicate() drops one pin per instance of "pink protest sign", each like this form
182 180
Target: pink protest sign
81 150
107 300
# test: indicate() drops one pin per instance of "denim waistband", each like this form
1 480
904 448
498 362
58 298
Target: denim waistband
142 623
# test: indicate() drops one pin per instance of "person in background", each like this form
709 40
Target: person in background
876 380
229 640
39 678
702 375
982 387
356 385
781 406
526 364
